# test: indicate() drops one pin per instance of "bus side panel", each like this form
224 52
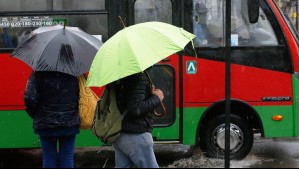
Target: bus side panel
261 88
248 83
207 84
14 74
192 116
16 126
270 92
16 130
296 105
273 128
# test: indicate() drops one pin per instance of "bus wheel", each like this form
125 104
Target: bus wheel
212 139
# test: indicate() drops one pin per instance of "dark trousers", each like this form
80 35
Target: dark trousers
61 156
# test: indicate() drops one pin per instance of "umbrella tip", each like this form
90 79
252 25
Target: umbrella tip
122 22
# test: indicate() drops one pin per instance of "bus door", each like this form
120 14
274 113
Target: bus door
164 74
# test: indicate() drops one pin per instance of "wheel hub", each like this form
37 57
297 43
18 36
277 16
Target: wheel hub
236 138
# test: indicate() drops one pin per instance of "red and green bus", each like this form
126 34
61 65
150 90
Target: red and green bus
264 69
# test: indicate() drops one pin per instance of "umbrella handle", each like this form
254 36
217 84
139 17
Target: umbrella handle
163 109
161 103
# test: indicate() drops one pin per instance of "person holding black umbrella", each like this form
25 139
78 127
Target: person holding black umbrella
57 55
51 99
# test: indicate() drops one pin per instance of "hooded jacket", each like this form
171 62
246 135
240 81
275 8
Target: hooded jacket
51 99
136 99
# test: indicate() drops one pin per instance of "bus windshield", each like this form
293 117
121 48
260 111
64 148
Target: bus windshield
290 24
208 20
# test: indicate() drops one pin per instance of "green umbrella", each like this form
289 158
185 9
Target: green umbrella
134 49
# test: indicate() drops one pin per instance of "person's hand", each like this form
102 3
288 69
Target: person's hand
158 93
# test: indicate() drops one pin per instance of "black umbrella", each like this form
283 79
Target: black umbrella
57 48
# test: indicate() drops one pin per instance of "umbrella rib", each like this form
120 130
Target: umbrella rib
87 40
147 44
57 34
133 51
46 45
84 39
181 30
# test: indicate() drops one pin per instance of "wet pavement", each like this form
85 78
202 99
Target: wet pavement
94 157
275 153
266 153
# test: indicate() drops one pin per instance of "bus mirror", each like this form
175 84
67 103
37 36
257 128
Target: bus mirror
253 10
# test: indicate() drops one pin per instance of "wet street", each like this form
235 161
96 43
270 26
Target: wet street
274 153
266 153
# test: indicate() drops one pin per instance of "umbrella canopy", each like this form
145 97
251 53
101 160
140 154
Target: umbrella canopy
134 49
58 48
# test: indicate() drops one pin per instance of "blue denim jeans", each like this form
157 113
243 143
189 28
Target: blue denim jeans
61 157
135 150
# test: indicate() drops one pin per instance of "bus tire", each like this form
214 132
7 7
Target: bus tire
212 140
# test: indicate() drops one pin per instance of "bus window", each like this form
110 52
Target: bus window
256 45
14 28
208 25
247 34
208 22
12 36
51 5
153 10
163 76
6 40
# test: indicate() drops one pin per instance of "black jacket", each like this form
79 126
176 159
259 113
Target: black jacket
51 99
137 100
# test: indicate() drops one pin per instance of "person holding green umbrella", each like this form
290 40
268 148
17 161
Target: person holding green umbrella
124 58
134 147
